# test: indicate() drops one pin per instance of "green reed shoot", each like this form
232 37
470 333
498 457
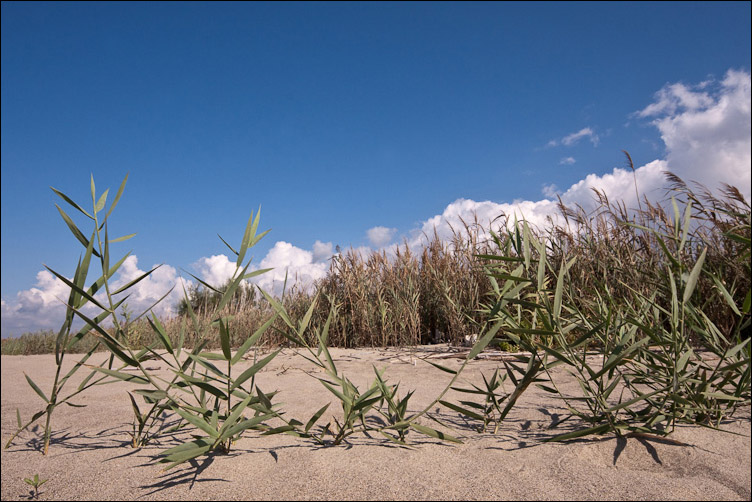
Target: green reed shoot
97 246
201 392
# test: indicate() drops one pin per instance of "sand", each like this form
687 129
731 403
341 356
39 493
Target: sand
90 457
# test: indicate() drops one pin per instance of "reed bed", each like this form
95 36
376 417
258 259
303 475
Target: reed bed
437 293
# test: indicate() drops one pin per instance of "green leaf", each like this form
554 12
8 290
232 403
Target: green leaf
323 348
499 257
528 331
668 254
541 273
259 237
393 439
247 424
70 201
78 290
224 340
283 429
313 419
228 245
484 340
36 388
685 225
136 281
253 369
256 272
434 433
107 339
136 411
342 397
185 452
252 340
93 193
722 396
233 418
508 277
462 411
245 242
558 295
123 238
117 196
307 317
201 359
197 421
438 366
126 377
157 327
152 396
201 384
692 280
599 429
101 202
278 308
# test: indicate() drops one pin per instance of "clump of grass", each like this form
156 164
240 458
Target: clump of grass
201 392
644 321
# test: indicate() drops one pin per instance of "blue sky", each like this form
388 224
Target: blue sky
335 118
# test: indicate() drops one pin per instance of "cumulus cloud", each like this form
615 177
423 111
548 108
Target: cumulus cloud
676 96
322 251
215 270
575 137
43 307
567 161
299 264
550 191
617 185
707 130
380 236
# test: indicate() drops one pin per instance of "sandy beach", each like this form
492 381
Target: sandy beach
90 456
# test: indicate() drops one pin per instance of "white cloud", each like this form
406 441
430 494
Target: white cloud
322 251
299 264
550 191
380 236
42 306
150 289
706 131
215 270
567 161
302 266
707 134
675 96
575 137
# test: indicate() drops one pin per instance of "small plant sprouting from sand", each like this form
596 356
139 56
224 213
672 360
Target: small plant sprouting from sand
35 483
